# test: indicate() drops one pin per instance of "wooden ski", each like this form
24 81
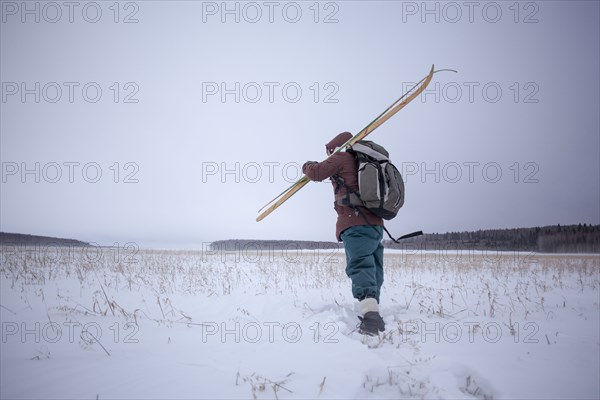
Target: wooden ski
378 121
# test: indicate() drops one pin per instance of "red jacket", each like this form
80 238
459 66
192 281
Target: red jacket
343 165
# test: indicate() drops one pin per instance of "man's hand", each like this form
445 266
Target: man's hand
307 164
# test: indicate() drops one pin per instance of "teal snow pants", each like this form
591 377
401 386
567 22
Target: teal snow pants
364 260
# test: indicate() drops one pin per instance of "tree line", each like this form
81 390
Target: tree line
582 238
547 239
19 239
244 245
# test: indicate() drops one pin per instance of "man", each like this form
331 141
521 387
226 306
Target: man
360 230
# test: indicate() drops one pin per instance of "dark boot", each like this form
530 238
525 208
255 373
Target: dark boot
371 324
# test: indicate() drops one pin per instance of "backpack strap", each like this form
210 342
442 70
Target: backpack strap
349 200
338 183
409 235
352 199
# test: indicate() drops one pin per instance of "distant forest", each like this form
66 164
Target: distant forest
548 239
18 239
247 244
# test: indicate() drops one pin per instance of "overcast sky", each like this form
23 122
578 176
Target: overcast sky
172 123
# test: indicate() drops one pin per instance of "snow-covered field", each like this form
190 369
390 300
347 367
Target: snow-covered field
110 323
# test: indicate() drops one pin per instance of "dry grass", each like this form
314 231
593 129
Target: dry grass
504 286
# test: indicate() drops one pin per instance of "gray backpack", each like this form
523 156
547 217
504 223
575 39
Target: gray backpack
381 188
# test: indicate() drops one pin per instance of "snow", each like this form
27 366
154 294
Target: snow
187 324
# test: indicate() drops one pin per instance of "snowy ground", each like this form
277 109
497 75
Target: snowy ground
110 323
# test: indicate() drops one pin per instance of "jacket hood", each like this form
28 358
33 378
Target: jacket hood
338 141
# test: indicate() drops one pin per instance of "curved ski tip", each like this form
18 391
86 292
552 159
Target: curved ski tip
446 70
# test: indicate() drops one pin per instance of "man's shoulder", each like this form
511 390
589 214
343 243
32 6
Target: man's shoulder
345 164
342 156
